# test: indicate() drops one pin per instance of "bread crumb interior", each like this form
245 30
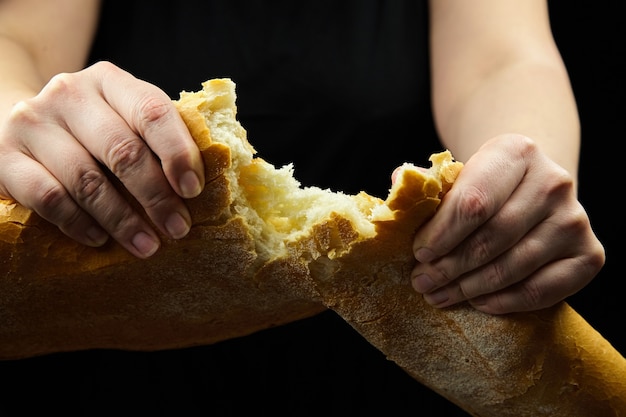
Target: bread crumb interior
276 206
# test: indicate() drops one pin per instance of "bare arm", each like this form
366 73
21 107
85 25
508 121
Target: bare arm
39 39
511 234
496 70
62 126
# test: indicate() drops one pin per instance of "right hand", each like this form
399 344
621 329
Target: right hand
59 148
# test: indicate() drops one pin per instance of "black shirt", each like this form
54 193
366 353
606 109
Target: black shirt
340 89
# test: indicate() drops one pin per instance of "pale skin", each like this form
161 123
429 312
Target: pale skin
510 235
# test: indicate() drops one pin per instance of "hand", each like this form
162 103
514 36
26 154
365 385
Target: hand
509 236
59 149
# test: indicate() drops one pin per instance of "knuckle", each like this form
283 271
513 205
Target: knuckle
35 110
61 86
494 277
521 146
61 82
159 198
479 250
525 146
102 66
467 291
51 205
90 185
592 262
597 258
474 205
51 199
121 222
531 295
153 109
577 227
23 113
69 220
441 274
126 155
559 183
496 304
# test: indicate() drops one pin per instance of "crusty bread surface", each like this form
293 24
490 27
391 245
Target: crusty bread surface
264 251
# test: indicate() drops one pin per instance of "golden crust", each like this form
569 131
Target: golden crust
198 290
56 295
546 363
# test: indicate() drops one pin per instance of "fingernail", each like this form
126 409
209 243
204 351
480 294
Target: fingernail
436 298
145 244
190 184
424 255
97 236
394 175
481 300
423 283
177 226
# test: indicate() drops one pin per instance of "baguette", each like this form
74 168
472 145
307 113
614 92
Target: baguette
264 251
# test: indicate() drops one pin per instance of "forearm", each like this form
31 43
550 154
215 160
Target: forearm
530 98
19 77
38 39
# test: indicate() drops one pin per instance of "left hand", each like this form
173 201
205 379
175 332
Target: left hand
509 236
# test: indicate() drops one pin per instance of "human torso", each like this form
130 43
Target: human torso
338 88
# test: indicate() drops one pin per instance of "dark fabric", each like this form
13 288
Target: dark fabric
318 366
321 84
592 41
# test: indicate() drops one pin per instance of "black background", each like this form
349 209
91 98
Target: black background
294 369
592 40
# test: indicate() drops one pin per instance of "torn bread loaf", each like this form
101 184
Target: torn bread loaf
264 251
243 267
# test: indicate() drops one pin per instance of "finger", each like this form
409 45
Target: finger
396 172
107 136
512 267
31 184
27 181
548 286
472 201
542 268
519 215
151 114
133 163
579 256
90 189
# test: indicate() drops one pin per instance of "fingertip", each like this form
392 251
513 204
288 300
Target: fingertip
96 236
479 302
489 304
438 299
190 185
394 175
423 283
424 255
398 171
177 226
144 245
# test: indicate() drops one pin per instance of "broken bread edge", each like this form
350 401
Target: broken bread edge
244 266
236 274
